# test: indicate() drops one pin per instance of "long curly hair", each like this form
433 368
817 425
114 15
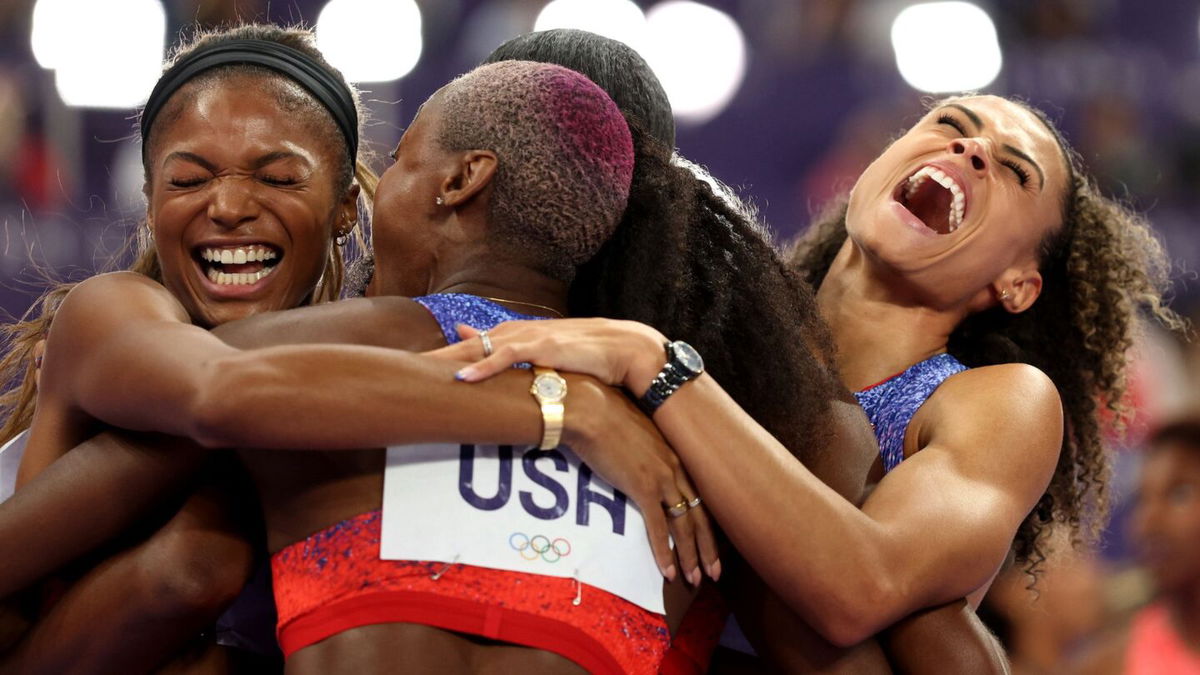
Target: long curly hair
20 338
1099 268
697 266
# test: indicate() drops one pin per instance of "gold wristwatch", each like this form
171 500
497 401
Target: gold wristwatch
550 390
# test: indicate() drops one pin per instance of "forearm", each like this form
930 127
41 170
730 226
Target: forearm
781 638
829 561
343 397
85 498
134 610
946 639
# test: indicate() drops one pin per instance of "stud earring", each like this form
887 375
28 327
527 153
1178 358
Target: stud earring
341 238
1005 295
439 201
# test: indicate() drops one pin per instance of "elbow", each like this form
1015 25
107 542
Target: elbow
855 614
185 576
844 631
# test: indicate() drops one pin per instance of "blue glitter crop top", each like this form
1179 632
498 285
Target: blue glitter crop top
891 404
451 309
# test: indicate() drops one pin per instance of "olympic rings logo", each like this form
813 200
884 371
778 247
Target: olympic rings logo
539 546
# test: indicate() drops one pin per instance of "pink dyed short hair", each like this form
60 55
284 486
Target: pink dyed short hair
565 158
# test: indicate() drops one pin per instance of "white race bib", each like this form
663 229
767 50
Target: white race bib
517 509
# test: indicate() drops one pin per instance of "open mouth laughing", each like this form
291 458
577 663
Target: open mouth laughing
243 265
935 197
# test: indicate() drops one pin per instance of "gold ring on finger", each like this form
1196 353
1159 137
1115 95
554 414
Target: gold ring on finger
679 509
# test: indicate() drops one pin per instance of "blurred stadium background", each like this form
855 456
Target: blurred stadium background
785 100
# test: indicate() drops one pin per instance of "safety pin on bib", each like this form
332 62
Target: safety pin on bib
445 568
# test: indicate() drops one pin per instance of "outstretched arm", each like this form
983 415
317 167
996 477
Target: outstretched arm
934 530
121 351
150 370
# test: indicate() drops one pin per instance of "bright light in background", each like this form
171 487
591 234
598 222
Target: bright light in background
946 46
51 18
617 19
92 69
699 54
371 40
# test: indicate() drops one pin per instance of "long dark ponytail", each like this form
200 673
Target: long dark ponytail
697 266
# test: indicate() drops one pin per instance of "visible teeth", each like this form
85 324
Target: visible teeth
241 278
238 256
958 201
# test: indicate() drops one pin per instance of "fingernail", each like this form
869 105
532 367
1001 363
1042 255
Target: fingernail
714 570
695 577
669 573
466 374
460 376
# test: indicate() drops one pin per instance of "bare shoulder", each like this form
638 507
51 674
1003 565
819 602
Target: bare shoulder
117 296
1011 410
1009 394
1019 382
113 281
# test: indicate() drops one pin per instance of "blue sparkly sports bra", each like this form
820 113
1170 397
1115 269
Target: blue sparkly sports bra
891 404
451 309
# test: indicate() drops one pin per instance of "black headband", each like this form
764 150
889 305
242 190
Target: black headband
329 89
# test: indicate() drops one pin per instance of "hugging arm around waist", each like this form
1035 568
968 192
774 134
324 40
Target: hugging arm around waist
86 498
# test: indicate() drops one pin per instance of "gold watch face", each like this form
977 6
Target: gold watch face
550 387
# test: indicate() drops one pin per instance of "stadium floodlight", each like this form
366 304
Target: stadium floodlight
94 68
946 46
699 54
384 48
617 19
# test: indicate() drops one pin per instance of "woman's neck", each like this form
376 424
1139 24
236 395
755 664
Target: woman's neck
511 284
879 331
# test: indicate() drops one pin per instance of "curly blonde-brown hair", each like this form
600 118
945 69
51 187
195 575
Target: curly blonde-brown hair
1099 269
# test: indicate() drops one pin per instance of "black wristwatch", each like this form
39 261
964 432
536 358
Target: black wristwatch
683 365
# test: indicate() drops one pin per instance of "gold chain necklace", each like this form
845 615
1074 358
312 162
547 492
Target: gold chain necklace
527 304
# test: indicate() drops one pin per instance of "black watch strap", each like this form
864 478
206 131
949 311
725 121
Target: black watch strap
672 376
